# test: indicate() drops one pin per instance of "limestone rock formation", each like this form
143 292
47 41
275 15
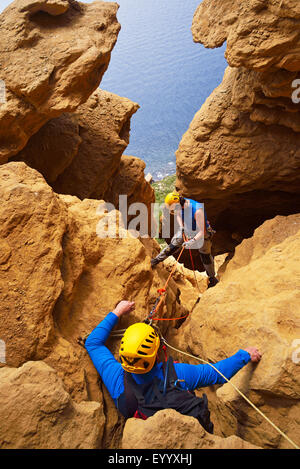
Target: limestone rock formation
103 126
240 24
168 429
130 180
60 276
55 55
79 153
52 149
255 304
191 284
241 153
37 412
32 224
56 122
66 262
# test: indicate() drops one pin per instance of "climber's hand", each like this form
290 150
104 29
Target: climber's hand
189 244
254 354
124 307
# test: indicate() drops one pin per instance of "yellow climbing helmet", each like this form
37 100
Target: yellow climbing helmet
138 348
172 198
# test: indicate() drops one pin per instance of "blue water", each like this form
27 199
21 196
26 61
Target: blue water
156 64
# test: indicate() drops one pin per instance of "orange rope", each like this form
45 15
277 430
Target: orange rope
169 319
192 261
174 268
163 290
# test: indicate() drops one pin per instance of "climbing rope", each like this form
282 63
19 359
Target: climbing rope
162 291
170 319
237 390
162 295
159 300
193 266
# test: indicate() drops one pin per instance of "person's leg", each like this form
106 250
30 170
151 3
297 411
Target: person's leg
208 262
172 248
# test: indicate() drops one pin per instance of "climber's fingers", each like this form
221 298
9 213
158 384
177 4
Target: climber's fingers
254 354
124 307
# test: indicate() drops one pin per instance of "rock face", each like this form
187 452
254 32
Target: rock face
53 119
191 284
168 429
55 56
130 180
242 148
37 412
32 228
64 264
104 125
255 304
59 278
80 153
218 21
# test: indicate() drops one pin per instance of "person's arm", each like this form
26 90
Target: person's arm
179 218
105 363
196 376
199 217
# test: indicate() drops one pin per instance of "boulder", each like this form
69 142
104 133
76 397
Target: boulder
55 55
81 153
259 34
103 127
168 429
38 413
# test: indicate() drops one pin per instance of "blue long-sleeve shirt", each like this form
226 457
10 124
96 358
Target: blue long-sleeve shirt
194 376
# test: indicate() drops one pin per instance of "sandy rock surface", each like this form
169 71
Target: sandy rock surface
54 57
168 429
37 412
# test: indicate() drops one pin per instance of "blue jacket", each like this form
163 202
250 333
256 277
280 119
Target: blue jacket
194 376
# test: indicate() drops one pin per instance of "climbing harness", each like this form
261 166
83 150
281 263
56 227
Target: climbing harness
236 389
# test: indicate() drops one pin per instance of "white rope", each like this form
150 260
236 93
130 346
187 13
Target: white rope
238 391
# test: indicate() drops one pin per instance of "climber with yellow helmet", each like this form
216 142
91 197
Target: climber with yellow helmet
192 221
140 385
